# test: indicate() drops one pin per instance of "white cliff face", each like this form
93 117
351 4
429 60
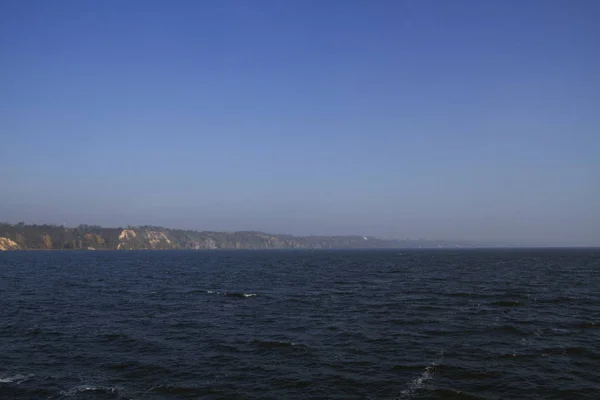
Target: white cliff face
8 244
155 238
144 239
127 234
210 244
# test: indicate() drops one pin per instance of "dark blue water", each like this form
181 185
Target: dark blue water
521 324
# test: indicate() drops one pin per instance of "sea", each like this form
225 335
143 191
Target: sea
388 324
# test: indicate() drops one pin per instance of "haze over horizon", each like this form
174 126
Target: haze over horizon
460 120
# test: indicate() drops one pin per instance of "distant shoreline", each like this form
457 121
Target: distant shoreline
33 237
383 249
52 237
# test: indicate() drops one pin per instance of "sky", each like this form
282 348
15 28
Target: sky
470 120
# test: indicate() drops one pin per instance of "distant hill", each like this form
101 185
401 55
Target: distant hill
91 237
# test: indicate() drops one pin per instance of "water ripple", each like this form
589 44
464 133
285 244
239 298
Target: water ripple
518 324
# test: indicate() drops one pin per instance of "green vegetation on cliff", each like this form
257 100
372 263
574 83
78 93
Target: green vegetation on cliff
87 237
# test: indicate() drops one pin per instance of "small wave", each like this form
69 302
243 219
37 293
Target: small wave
507 303
316 294
557 300
343 293
292 383
226 294
41 332
453 394
90 389
555 351
111 337
183 390
436 332
464 294
409 367
588 325
124 339
571 351
461 373
239 295
136 366
561 331
18 378
513 330
516 355
418 383
198 291
274 344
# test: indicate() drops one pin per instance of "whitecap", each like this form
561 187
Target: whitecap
418 383
88 388
18 378
231 294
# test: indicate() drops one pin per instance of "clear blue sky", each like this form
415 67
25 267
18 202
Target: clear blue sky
436 119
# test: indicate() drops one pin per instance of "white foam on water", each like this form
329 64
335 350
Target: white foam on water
231 294
18 378
418 383
88 388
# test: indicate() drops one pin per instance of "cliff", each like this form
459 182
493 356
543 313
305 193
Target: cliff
90 237
8 244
